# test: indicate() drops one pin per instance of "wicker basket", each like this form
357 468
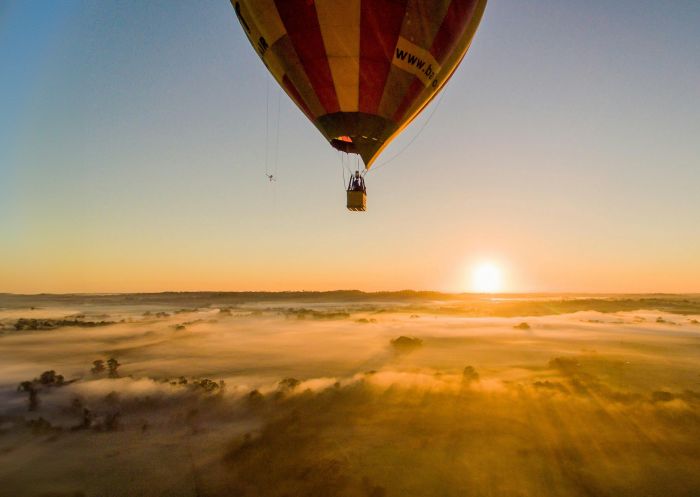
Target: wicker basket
357 201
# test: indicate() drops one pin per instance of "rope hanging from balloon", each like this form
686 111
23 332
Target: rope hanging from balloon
272 157
345 167
267 127
277 131
342 168
415 137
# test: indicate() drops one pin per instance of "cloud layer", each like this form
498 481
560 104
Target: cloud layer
300 399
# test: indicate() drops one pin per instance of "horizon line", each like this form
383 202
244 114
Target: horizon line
350 291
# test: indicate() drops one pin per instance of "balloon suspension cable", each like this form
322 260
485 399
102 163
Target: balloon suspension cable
415 137
277 131
342 170
267 127
345 163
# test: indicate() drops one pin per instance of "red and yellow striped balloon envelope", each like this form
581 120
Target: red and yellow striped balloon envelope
361 70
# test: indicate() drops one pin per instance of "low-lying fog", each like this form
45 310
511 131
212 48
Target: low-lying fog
347 399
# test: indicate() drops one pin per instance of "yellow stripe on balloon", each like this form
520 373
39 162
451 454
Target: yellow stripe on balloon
266 17
340 28
263 26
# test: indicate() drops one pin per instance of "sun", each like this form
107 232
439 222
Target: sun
487 278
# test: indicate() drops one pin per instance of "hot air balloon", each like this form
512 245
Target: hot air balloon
360 70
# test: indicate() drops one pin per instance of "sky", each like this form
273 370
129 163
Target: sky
564 152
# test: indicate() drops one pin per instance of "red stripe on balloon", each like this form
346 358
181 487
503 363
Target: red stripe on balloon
301 22
380 27
412 94
454 24
296 96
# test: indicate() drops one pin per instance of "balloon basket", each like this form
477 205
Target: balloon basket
357 201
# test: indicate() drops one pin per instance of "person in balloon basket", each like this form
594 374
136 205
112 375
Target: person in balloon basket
357 183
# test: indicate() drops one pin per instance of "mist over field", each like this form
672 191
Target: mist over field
349 394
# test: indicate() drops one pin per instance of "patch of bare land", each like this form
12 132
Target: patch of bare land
349 394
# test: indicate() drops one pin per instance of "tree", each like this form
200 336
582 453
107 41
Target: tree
288 384
404 344
86 421
98 366
112 398
113 366
209 386
28 386
469 374
51 378
111 421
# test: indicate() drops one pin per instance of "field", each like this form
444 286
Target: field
349 394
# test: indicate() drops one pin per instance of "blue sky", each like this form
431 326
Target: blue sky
132 157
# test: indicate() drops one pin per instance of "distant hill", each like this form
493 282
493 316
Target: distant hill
416 301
